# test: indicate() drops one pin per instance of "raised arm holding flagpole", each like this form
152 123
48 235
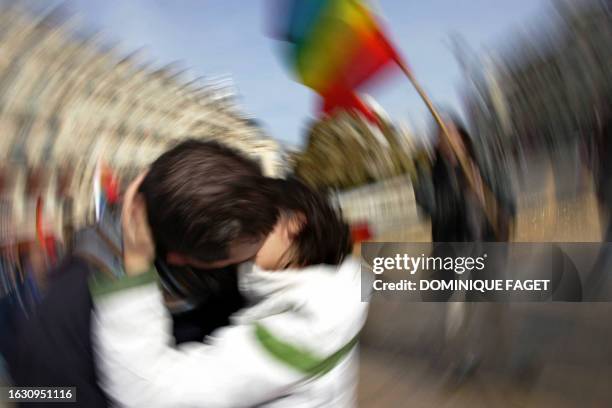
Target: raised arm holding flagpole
338 46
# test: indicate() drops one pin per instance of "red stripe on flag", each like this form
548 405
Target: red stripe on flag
373 54
343 99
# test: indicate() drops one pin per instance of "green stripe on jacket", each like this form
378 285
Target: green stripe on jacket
101 284
300 359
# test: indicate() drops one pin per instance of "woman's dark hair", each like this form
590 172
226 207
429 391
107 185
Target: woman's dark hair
202 196
467 140
324 238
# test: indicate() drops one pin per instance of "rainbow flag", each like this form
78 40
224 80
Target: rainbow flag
336 47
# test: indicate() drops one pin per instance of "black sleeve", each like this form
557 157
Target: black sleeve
53 347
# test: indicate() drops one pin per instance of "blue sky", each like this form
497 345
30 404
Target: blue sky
217 37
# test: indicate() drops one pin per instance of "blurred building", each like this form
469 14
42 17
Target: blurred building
548 87
67 102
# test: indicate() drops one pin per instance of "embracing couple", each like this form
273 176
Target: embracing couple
106 327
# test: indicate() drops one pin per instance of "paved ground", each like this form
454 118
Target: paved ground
540 218
535 355
391 381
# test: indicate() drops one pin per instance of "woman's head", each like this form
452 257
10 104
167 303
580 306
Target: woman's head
309 231
457 131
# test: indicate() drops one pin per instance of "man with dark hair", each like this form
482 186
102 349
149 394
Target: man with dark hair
207 207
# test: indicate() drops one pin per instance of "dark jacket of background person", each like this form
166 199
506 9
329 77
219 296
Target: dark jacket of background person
456 216
456 213
53 347
603 182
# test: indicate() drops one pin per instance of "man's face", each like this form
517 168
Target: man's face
239 251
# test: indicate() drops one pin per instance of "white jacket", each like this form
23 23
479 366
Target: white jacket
276 353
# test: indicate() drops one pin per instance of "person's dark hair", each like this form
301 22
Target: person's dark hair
201 196
324 238
466 139
463 133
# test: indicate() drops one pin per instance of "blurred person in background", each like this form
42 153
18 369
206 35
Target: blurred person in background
603 179
458 215
599 282
207 206
456 206
458 210
292 346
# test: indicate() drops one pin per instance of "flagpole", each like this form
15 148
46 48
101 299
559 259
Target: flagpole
489 201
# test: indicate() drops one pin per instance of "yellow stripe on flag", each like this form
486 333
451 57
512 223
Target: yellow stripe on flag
332 44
